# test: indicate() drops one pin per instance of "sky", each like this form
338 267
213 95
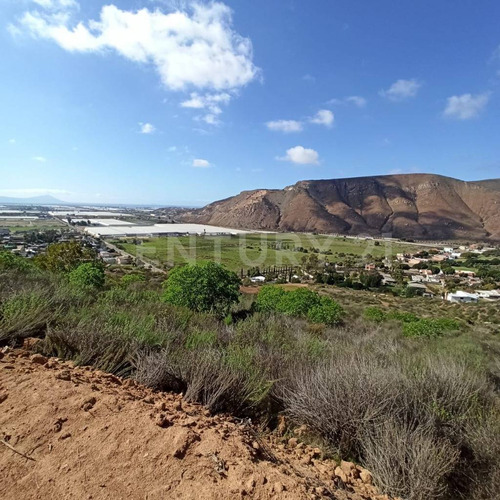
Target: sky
183 103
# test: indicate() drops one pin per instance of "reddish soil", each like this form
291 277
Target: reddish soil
71 432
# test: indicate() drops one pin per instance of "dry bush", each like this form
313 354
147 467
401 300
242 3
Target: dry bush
340 397
408 461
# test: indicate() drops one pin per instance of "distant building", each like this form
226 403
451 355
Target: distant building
461 297
258 279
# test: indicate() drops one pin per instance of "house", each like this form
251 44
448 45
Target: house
448 249
388 280
370 267
124 260
489 295
464 273
461 297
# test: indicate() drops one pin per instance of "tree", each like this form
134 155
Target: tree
269 297
88 276
64 257
202 287
371 280
327 312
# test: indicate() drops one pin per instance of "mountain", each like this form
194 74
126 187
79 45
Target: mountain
36 200
417 206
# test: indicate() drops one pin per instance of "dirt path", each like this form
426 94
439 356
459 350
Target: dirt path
90 435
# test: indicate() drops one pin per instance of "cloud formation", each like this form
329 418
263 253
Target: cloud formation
200 163
401 90
323 117
466 106
192 47
301 156
356 100
40 159
147 128
286 126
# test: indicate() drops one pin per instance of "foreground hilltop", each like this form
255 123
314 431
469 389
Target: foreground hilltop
420 206
72 432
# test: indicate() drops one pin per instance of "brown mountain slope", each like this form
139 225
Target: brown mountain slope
423 206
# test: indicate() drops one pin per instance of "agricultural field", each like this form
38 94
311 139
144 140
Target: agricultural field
16 225
258 250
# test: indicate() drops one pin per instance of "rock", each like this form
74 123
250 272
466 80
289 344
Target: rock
162 421
66 435
341 474
255 445
88 404
38 359
321 491
64 375
293 442
366 477
306 460
250 484
183 442
149 400
3 397
112 378
316 452
279 487
347 467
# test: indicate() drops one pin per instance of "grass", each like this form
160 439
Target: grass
22 225
257 250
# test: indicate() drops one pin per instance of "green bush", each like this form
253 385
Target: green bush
9 261
269 297
428 327
203 287
405 317
298 302
327 311
130 279
374 314
87 276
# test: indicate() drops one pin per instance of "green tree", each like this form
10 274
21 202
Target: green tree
202 287
269 297
87 276
65 256
298 302
10 261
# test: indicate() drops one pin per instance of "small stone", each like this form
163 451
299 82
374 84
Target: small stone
366 477
347 467
306 460
3 397
149 400
250 484
293 442
183 442
89 403
66 435
64 375
162 421
278 487
38 359
255 445
341 474
316 452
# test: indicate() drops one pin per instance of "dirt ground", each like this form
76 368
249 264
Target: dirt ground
71 432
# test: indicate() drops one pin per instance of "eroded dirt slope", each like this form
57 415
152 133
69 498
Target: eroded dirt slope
89 435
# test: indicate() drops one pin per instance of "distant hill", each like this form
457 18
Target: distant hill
417 206
35 200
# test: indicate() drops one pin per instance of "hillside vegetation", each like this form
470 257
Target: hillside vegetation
418 411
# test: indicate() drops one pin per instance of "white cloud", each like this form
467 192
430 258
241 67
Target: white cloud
286 126
210 102
323 117
41 159
191 47
200 163
172 149
147 128
12 141
466 106
357 100
301 156
401 90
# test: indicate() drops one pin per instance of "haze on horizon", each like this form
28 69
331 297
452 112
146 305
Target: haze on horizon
183 103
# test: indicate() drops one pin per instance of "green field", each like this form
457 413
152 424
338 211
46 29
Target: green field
257 250
16 225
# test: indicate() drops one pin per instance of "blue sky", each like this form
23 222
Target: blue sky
173 102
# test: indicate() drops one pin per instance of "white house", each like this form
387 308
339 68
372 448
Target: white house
462 297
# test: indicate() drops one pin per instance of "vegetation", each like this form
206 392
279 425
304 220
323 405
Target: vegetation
203 287
423 415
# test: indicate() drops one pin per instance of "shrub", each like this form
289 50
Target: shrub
9 261
130 279
427 327
374 314
202 287
298 302
269 297
327 312
65 256
87 276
